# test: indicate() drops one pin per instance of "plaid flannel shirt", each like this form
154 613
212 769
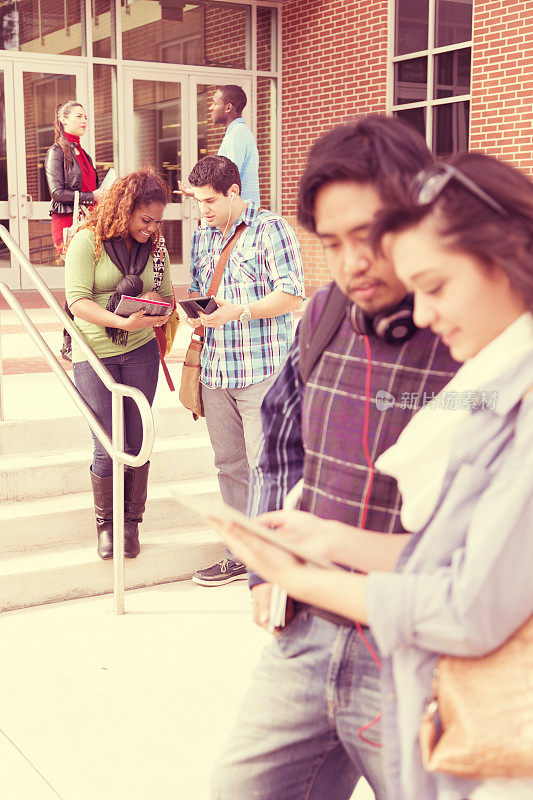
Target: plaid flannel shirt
266 257
316 432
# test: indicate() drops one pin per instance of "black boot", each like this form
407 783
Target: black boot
135 490
103 507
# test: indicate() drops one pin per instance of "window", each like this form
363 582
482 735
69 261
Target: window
206 34
44 27
432 70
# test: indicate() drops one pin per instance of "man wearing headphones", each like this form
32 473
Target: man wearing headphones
248 336
309 725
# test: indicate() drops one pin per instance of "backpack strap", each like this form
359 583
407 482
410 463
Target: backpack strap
314 342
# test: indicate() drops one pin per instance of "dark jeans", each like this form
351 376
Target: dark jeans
138 368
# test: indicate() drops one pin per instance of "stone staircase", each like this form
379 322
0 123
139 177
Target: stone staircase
47 527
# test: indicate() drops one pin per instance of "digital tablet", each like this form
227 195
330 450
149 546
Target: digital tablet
153 308
193 307
224 513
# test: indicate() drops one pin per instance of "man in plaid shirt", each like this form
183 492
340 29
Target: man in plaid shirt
248 336
308 727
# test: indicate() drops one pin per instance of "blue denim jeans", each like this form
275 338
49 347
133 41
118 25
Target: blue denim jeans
297 732
139 368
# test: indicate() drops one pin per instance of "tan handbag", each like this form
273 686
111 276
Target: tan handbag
479 723
190 388
190 393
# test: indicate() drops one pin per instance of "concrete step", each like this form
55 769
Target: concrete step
51 521
67 572
25 477
37 436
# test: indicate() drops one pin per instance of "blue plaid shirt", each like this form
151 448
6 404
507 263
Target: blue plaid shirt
266 257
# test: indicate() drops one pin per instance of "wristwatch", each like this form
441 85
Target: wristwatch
246 314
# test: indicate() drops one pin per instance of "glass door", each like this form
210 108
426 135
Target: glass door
39 94
155 110
208 135
9 268
169 126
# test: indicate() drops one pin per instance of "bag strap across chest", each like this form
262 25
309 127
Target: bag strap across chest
219 270
223 260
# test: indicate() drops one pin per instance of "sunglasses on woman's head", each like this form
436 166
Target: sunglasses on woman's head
431 182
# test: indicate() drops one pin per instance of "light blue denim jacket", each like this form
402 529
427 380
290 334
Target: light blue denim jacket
464 583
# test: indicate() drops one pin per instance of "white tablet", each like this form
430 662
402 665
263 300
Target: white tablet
225 513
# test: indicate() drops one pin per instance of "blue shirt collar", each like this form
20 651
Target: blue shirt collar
234 122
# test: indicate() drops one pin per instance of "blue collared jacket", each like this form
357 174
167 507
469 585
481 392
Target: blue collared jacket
464 583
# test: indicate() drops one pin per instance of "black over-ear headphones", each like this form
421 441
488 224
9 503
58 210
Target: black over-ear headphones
394 326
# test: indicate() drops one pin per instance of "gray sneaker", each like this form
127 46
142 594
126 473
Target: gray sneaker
219 574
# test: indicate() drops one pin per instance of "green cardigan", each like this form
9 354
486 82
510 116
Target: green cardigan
84 280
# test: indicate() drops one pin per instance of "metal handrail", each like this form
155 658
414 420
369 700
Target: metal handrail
114 445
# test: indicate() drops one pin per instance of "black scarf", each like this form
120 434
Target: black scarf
132 265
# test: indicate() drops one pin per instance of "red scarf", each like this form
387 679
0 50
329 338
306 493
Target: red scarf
88 172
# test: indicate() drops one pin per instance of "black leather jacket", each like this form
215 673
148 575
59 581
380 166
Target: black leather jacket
63 181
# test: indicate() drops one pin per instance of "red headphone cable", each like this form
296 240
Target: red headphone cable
370 464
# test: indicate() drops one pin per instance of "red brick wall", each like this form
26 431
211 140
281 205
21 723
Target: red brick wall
502 82
334 67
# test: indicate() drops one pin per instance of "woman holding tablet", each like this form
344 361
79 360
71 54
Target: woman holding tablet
111 256
461 585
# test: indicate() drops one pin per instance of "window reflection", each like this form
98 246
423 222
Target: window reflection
42 93
209 135
452 73
205 34
415 117
411 77
157 129
453 22
267 37
42 249
103 23
40 26
105 118
450 128
411 26
172 231
5 258
3 150
266 140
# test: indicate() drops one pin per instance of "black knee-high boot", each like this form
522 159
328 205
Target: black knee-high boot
103 508
135 491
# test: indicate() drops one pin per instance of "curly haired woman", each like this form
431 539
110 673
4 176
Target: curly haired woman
110 256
